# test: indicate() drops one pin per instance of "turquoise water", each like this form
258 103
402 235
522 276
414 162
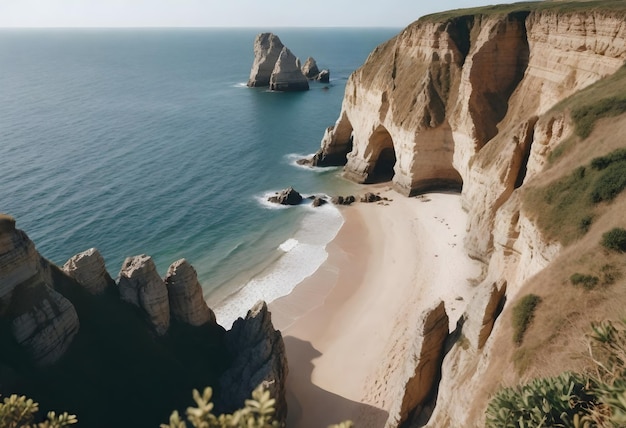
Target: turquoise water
148 141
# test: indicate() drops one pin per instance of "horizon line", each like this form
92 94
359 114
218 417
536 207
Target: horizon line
196 27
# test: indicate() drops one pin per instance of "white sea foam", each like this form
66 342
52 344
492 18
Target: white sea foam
292 159
302 255
288 245
263 201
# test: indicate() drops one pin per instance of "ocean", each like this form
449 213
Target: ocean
147 141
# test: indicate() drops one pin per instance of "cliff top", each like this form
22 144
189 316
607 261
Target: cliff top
558 6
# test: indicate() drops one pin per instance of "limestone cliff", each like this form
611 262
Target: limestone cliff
277 67
41 321
185 295
89 270
465 100
260 359
143 343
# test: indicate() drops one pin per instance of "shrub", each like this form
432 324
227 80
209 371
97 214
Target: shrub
615 239
19 412
257 412
613 157
585 223
585 117
523 313
610 183
587 281
561 401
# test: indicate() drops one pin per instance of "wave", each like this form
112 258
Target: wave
292 159
301 256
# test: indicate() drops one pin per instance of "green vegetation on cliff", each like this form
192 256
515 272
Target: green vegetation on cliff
577 400
568 205
530 6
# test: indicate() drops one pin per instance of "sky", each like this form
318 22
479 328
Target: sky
223 13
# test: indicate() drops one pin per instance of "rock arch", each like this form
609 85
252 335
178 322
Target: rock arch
383 157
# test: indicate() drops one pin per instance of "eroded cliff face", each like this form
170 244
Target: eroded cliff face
465 102
144 342
41 321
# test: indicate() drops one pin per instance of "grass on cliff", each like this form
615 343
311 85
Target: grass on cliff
569 205
530 6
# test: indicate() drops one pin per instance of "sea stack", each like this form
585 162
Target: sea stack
287 76
277 67
267 49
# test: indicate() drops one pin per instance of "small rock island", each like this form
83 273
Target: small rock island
277 67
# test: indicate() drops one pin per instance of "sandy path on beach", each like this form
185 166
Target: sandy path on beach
346 324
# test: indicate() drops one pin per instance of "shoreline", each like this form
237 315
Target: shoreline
346 325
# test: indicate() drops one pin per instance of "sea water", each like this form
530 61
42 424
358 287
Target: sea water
147 141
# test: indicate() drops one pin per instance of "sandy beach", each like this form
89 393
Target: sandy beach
346 326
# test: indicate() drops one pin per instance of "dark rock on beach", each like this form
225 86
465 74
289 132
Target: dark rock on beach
318 201
341 200
370 197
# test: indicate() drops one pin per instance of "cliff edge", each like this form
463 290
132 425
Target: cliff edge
485 101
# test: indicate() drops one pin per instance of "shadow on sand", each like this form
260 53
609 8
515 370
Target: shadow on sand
314 407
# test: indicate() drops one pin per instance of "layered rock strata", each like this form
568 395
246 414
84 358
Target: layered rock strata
89 270
312 72
464 102
267 49
410 380
186 301
287 76
277 67
260 358
140 284
42 322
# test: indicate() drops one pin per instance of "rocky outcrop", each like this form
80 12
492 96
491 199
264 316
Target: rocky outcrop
482 312
267 49
42 322
89 270
323 77
277 67
287 76
288 196
259 358
140 284
309 69
411 379
312 72
186 301
466 102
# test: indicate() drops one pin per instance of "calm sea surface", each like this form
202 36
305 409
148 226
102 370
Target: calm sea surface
148 141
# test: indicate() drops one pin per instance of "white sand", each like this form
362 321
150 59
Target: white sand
345 325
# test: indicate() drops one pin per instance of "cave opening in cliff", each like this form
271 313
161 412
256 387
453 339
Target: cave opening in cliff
384 157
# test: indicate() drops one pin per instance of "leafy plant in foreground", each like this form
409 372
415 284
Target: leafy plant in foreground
562 401
19 412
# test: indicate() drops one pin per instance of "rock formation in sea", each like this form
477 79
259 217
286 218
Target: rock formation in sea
288 196
267 49
144 343
312 72
287 76
277 67
474 102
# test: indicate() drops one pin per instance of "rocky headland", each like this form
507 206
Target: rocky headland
487 102
276 67
506 106
143 342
